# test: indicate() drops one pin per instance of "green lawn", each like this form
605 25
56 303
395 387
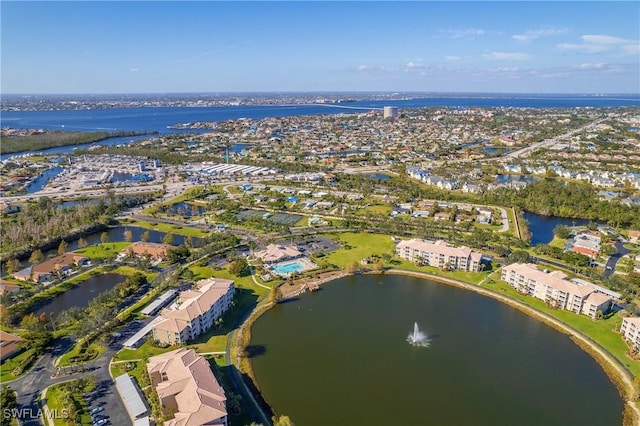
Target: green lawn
382 210
166 227
76 351
144 351
53 404
558 242
100 251
602 331
361 246
7 367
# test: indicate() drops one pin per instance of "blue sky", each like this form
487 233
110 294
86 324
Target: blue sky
150 47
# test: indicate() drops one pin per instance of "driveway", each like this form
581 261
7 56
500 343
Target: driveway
610 267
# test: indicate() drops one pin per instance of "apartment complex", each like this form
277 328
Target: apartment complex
187 389
630 329
555 289
194 312
439 254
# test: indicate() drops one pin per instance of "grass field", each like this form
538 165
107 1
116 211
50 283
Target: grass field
358 246
166 227
9 365
100 251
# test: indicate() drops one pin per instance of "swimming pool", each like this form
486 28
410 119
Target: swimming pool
287 268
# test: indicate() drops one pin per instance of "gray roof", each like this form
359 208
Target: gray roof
159 302
131 396
133 341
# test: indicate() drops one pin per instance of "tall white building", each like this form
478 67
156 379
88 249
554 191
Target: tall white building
439 254
630 329
555 289
390 112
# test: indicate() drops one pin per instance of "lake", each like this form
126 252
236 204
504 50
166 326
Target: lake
81 295
339 356
542 227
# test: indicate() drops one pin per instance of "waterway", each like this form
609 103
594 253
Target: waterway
157 119
541 227
339 356
81 295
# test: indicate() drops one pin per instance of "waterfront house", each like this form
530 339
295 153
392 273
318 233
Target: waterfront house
61 265
187 389
630 330
156 251
439 254
8 287
194 312
554 288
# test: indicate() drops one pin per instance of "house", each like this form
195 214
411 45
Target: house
194 312
156 251
634 236
439 254
275 253
9 345
187 389
630 330
45 271
554 288
8 287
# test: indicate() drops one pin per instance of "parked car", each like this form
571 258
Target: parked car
96 410
100 422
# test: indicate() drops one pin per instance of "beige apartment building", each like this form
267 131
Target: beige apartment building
555 289
194 312
439 254
187 389
630 330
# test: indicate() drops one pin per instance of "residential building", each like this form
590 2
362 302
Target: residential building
439 254
156 251
630 330
275 253
187 389
554 288
9 345
194 312
58 265
587 244
8 287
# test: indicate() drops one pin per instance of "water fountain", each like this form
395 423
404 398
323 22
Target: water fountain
417 338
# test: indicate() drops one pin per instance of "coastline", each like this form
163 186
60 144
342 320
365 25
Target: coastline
616 373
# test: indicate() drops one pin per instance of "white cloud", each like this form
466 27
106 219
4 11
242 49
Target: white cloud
415 66
134 69
596 43
507 56
452 58
530 35
468 33
590 66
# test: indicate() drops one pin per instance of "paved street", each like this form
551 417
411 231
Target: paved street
40 377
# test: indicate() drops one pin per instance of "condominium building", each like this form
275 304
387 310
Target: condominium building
630 329
194 312
439 254
187 389
555 289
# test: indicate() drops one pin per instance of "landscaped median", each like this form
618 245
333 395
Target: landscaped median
64 404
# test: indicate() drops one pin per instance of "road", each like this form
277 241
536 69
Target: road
523 152
42 376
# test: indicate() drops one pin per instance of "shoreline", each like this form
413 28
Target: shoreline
614 371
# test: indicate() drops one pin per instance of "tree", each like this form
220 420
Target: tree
239 267
562 231
8 402
282 421
36 256
178 254
104 238
30 322
128 235
145 237
12 265
168 238
62 248
82 243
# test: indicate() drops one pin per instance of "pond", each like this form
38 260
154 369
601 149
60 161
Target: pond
340 356
541 227
81 295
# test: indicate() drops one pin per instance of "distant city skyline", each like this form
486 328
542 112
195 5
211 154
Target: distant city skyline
187 47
